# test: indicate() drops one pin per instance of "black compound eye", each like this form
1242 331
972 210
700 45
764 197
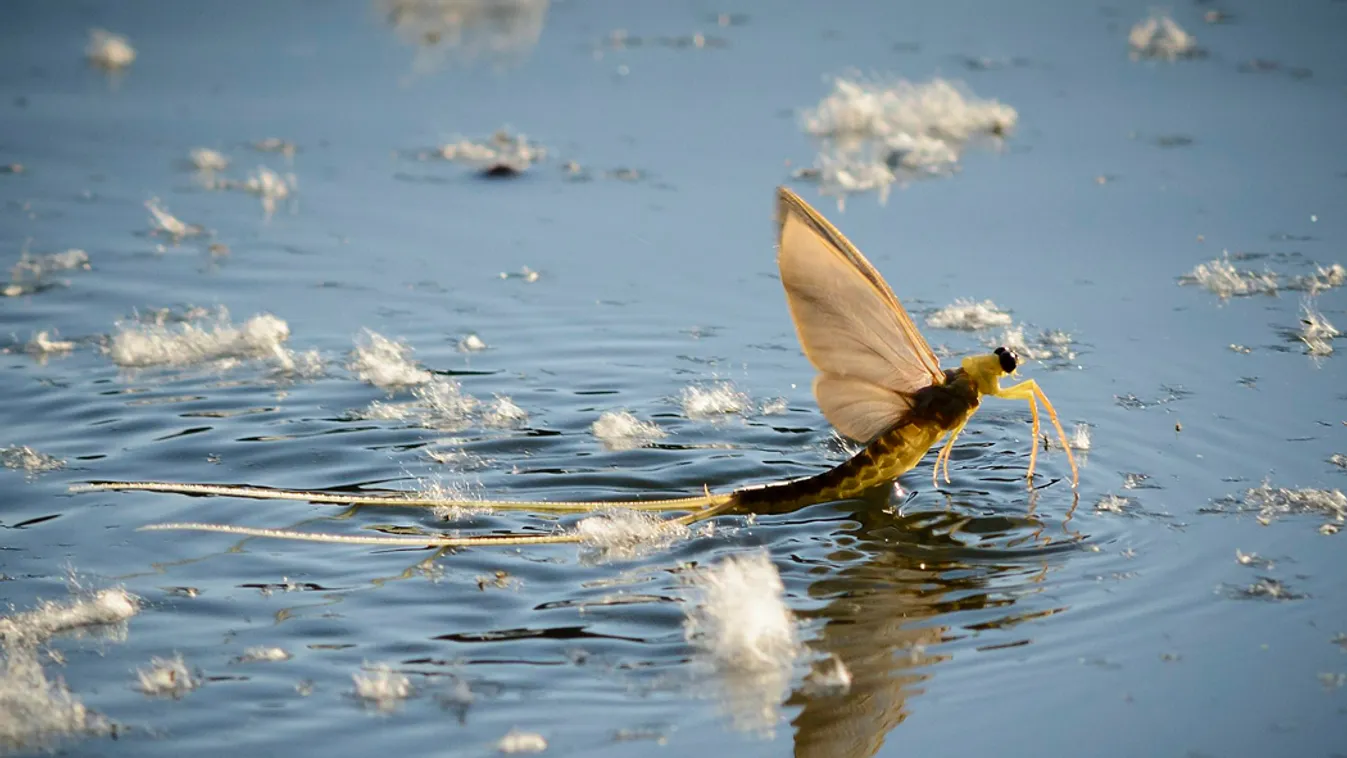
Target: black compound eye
1008 359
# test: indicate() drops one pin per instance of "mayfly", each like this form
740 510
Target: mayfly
878 382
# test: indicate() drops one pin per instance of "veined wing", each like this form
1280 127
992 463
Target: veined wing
869 354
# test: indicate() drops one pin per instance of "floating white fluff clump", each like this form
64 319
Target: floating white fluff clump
167 676
1273 502
1160 36
140 345
27 459
627 533
458 498
444 405
38 266
1113 504
503 153
381 411
499 31
46 343
163 222
105 607
517 741
715 400
109 51
382 687
205 159
620 430
385 363
504 413
1316 331
34 710
1221 277
1080 437
471 344
1323 278
874 132
269 186
902 110
740 619
968 315
264 654
741 626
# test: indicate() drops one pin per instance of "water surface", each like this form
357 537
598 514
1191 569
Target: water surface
974 617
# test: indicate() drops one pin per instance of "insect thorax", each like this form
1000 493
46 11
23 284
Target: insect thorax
945 404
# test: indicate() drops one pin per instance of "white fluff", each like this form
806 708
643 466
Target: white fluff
46 343
968 315
903 111
384 363
471 344
1159 36
442 404
382 687
205 159
34 710
264 654
27 459
739 617
521 742
1113 504
109 51
36 267
871 133
1274 502
163 222
718 399
1323 278
502 150
621 534
1221 277
740 625
1316 331
203 340
620 430
167 676
504 413
112 606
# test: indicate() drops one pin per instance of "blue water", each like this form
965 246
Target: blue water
973 620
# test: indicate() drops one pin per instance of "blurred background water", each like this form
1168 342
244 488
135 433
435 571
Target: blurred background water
632 268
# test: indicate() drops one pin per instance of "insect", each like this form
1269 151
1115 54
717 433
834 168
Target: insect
878 382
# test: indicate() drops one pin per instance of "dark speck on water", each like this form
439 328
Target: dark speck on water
294 312
1174 140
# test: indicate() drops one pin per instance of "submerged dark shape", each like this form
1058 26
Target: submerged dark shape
500 171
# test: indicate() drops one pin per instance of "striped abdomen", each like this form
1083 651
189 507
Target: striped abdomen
938 409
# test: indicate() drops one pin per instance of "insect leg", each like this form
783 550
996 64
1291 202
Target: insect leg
1029 391
942 458
1061 435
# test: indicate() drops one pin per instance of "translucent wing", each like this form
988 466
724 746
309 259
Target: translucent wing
869 354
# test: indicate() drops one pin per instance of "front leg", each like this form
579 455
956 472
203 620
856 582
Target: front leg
1029 391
